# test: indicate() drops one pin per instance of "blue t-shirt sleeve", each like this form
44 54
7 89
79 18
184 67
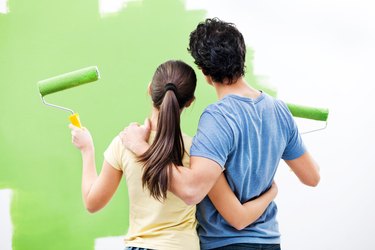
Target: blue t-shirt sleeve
295 147
214 138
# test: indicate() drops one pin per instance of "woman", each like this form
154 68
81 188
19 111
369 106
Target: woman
157 218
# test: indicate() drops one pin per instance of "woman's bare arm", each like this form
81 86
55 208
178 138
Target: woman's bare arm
236 214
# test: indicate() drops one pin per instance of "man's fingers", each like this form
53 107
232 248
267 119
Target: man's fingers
122 134
134 124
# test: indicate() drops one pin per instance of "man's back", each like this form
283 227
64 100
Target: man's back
246 137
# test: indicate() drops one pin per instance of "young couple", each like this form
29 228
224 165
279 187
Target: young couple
219 185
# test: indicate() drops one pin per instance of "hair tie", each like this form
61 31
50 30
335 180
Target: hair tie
170 86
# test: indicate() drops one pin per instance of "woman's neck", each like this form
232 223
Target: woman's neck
154 118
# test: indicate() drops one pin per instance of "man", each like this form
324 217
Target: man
245 133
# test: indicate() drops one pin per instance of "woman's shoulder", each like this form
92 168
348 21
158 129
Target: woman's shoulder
187 139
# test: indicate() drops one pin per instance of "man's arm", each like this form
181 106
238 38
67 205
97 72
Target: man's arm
189 184
298 158
306 169
192 184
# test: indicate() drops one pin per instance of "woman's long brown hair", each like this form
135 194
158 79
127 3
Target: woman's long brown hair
172 87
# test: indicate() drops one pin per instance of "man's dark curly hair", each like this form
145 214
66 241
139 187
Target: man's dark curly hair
218 48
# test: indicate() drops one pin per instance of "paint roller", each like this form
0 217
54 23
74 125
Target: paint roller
300 111
312 113
318 114
66 81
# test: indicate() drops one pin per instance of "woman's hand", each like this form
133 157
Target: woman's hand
81 138
274 189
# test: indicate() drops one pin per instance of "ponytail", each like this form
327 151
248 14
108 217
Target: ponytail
167 148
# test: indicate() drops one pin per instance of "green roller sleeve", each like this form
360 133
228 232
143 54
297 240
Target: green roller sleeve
319 114
68 80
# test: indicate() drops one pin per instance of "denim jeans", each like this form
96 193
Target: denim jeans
136 248
241 246
248 246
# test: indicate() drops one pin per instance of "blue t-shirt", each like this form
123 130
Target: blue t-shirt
247 138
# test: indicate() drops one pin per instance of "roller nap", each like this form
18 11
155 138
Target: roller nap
68 80
319 114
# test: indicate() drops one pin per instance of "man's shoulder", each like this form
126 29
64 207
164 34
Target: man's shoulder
219 107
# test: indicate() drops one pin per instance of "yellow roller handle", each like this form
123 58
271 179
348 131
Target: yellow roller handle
74 119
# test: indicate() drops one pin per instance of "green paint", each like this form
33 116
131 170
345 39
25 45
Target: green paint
38 162
68 80
313 113
43 38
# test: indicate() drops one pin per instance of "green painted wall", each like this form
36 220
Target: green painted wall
43 38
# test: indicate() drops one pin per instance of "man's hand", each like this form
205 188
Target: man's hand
135 137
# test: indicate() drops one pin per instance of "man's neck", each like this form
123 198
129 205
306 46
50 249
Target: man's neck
240 88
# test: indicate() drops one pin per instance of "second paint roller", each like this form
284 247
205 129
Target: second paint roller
312 113
66 81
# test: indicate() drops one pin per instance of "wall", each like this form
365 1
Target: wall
38 163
